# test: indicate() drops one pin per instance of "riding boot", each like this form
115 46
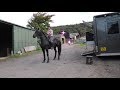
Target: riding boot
51 45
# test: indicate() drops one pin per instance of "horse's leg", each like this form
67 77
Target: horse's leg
55 53
43 55
59 51
47 55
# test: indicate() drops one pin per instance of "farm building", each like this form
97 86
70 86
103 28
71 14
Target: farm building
74 35
64 36
14 37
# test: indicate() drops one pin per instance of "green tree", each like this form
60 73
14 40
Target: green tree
40 21
75 28
56 31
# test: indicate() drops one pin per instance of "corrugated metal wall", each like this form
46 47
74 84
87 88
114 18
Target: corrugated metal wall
23 37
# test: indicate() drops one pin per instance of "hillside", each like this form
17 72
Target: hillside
75 28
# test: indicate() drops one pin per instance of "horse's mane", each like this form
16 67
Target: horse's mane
44 35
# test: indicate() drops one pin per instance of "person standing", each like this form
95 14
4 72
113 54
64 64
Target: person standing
69 42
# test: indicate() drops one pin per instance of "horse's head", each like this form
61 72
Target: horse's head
37 33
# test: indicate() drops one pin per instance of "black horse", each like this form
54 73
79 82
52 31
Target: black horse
45 44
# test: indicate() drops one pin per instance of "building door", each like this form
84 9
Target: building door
100 35
63 40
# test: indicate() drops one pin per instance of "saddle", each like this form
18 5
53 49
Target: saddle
51 45
50 41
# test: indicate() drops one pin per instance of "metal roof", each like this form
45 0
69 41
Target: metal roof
9 23
108 14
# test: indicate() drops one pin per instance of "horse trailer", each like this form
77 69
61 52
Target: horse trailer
106 35
14 37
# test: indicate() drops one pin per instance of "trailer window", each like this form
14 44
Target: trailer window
113 27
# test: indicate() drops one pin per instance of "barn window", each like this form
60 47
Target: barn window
113 27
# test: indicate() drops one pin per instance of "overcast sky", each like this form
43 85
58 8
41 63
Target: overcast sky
60 18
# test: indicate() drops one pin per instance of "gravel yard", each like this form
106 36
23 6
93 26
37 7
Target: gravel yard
71 65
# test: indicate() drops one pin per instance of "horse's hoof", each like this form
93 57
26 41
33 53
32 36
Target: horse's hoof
43 62
54 59
47 61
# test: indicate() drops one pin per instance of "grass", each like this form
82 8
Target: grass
82 44
23 55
